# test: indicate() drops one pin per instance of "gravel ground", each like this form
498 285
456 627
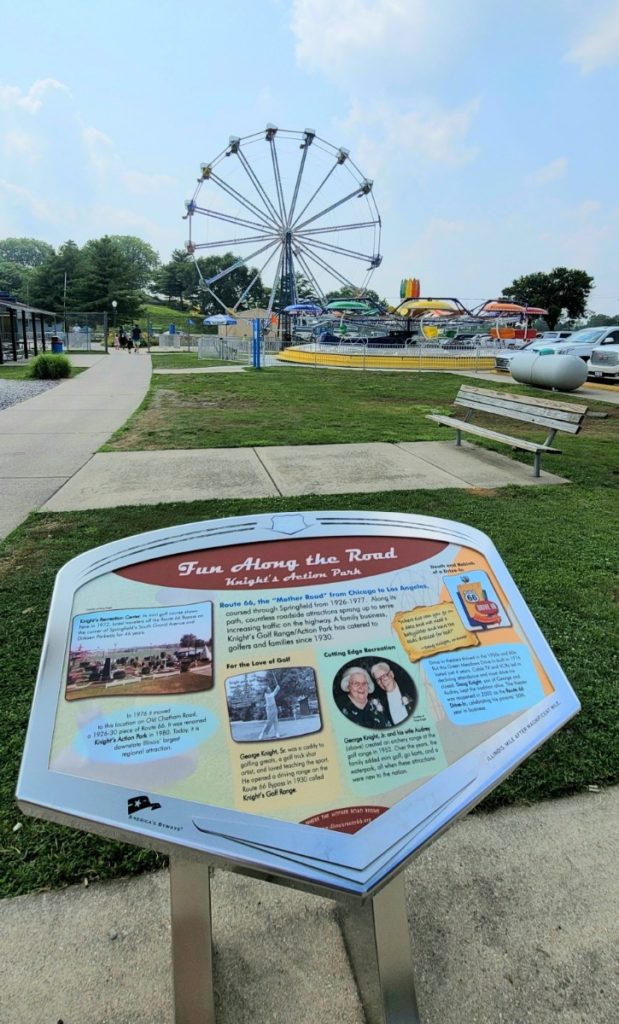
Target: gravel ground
14 391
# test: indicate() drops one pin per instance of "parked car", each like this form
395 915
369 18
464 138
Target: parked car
604 361
459 341
553 335
502 359
580 343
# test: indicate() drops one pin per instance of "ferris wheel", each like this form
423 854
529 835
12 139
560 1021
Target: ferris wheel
296 210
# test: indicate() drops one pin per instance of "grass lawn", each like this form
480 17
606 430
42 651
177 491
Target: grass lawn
162 316
18 371
560 544
182 361
280 405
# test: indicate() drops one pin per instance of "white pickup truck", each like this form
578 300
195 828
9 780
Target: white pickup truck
580 343
604 360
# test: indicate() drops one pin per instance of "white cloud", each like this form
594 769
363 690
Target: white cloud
423 135
63 177
588 207
98 148
599 46
549 172
117 220
19 144
17 196
441 227
340 37
439 135
141 184
93 137
110 166
11 97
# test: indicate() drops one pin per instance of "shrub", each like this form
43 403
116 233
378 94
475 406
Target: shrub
48 367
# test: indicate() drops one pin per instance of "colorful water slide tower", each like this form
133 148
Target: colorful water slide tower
410 288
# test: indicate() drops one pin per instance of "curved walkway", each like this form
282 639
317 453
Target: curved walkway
46 440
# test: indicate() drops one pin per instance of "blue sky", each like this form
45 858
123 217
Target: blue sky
488 127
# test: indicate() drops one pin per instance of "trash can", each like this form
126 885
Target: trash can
56 345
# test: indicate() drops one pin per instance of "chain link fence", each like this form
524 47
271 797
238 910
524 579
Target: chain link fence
82 331
240 350
359 353
412 354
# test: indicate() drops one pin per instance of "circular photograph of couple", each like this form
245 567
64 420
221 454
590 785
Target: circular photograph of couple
375 694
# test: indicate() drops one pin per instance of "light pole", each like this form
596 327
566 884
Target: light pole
114 305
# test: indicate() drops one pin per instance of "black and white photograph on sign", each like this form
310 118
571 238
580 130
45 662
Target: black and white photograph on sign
141 652
273 704
375 694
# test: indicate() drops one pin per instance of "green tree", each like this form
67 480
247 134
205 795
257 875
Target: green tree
306 291
177 279
229 288
561 289
602 320
369 296
15 279
28 252
60 270
107 276
142 257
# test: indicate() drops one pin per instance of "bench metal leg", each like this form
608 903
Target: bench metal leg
459 438
537 462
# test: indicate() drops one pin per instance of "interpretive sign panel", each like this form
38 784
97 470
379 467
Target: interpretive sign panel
315 694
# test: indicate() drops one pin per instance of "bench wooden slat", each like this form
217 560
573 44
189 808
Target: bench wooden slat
522 412
545 403
543 412
506 402
473 428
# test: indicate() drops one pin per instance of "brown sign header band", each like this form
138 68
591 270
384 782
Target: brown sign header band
298 563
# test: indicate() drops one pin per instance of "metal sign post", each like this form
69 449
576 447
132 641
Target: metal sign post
256 342
309 698
378 945
192 950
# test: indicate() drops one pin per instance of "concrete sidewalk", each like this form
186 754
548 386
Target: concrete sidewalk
147 478
513 920
513 915
47 439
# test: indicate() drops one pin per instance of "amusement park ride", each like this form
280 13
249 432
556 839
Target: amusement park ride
301 208
296 201
500 318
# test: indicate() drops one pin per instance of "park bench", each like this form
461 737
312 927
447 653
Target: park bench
553 416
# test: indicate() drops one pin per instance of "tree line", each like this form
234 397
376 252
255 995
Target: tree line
128 271
117 268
